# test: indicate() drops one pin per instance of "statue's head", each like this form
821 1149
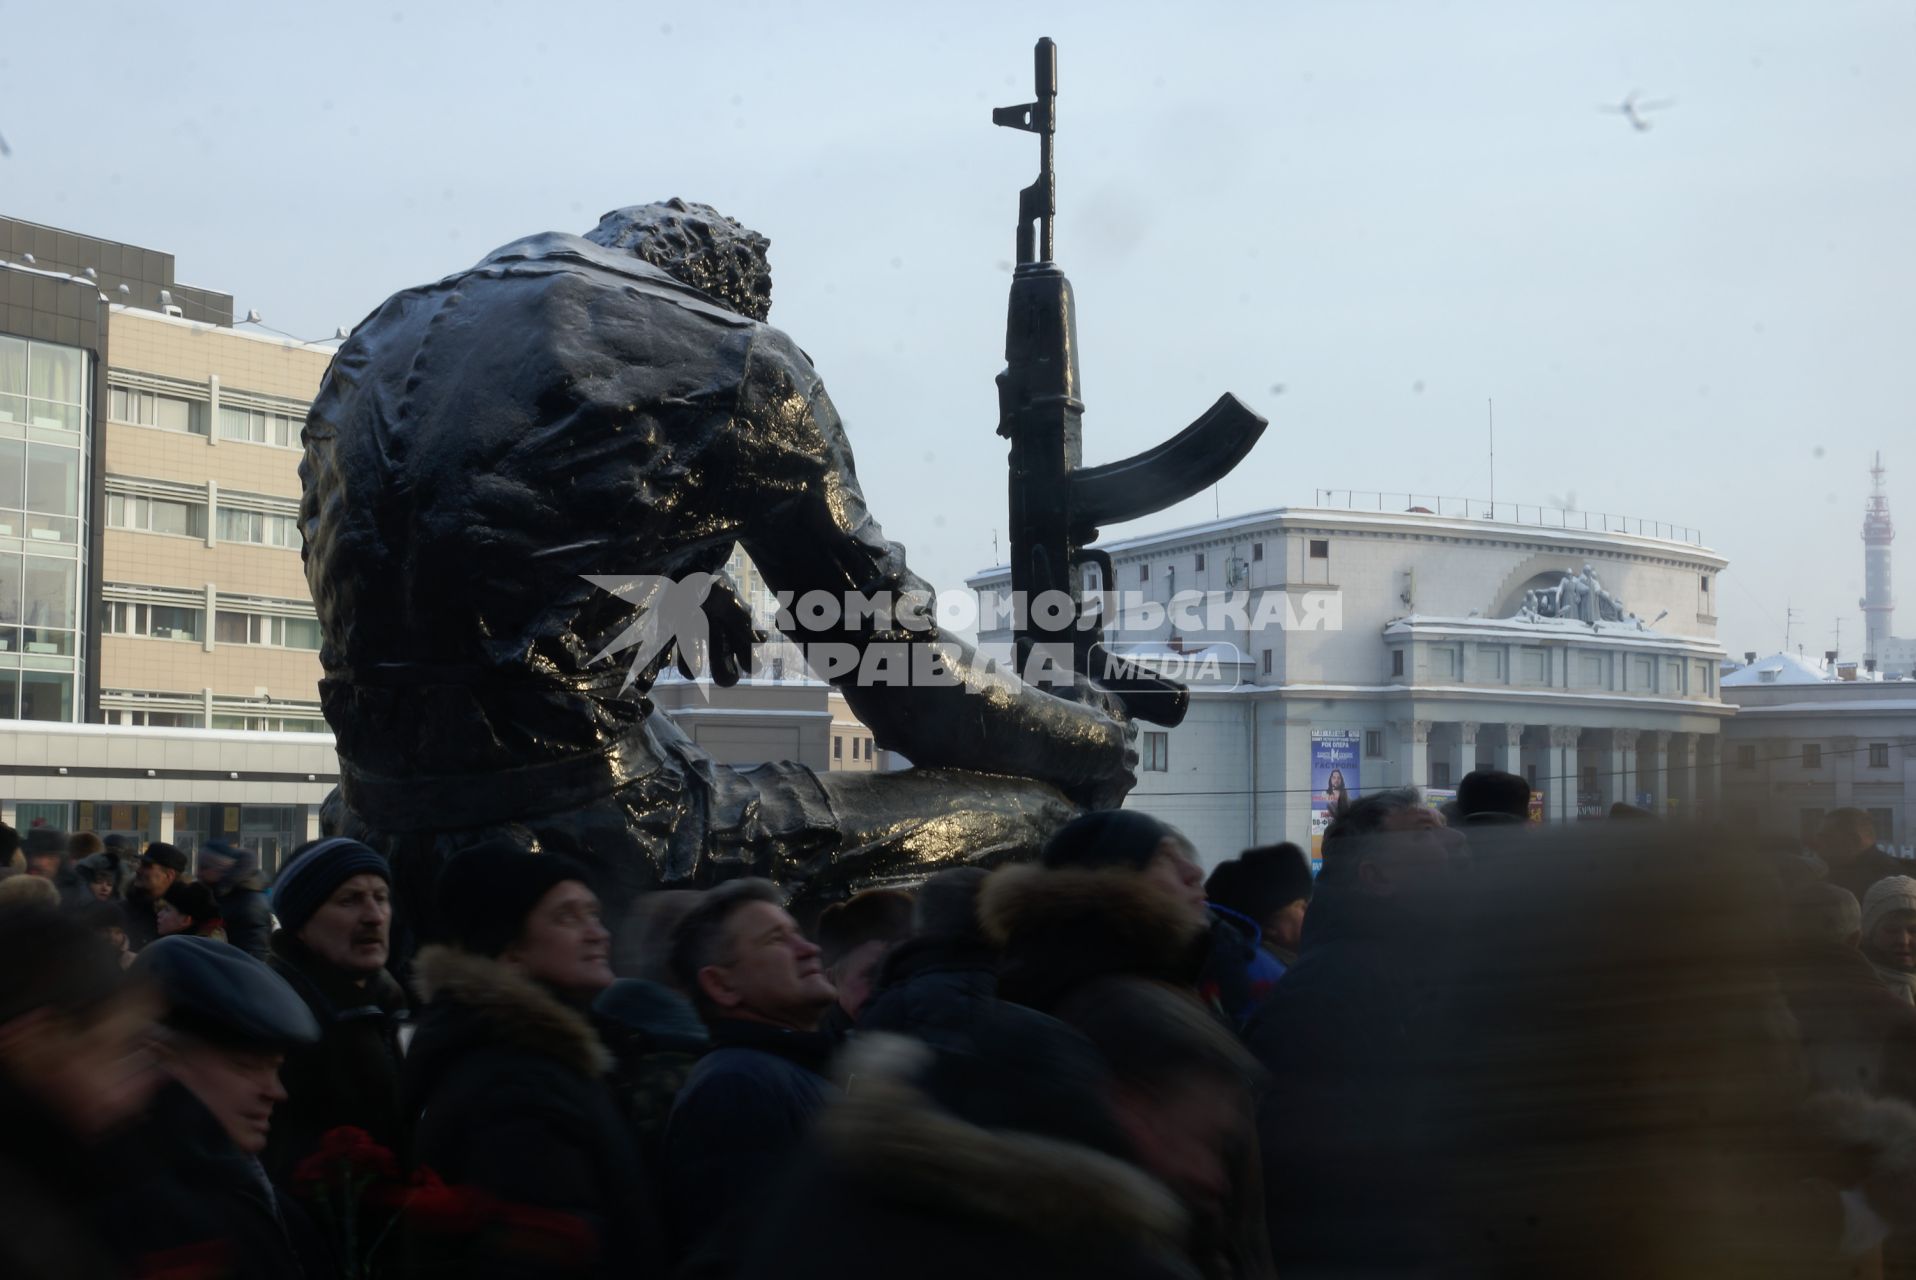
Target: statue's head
697 245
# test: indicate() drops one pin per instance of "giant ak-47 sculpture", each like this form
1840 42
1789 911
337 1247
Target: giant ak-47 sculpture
1057 504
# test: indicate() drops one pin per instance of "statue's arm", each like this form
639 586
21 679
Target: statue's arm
810 530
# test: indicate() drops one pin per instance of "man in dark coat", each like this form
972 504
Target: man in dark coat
232 873
1847 843
750 1102
335 909
71 1074
211 1206
158 869
616 404
936 984
47 857
505 1085
853 938
1339 1037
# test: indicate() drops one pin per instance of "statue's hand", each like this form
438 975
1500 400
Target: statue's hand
729 637
1112 736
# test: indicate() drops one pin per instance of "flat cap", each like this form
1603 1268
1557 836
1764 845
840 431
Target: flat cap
165 855
219 993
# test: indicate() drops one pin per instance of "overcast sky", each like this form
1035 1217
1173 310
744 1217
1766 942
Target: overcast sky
1366 217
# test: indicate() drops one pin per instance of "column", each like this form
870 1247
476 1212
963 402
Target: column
310 821
1559 778
1620 782
1413 738
1654 770
1466 750
213 412
1683 774
166 823
1510 750
9 814
1709 775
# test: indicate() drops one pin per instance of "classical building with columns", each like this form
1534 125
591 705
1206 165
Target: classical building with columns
1432 637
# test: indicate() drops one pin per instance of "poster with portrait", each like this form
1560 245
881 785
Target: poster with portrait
1334 782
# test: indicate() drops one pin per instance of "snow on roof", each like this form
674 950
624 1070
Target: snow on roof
1778 668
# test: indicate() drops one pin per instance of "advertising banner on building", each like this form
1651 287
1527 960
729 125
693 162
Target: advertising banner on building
1334 782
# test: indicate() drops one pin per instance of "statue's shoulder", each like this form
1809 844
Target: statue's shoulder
580 262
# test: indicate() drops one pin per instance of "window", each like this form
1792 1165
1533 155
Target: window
1704 581
1257 551
258 528
255 426
42 385
156 515
150 409
1267 662
1397 662
1812 755
1200 562
838 747
1156 754
265 629
1589 783
1374 743
1746 755
155 621
1144 573
1320 548
1879 755
1440 773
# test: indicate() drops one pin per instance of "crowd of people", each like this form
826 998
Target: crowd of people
1464 1046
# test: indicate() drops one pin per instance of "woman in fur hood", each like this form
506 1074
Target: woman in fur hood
1116 893
506 1080
1036 1151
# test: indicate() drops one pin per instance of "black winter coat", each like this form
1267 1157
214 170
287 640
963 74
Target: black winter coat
1341 1039
742 1115
1869 866
351 1076
248 921
142 926
505 1087
894 1184
208 1210
55 1197
934 989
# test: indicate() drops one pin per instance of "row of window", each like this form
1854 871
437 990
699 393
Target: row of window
178 413
168 515
1257 556
182 622
1812 755
864 745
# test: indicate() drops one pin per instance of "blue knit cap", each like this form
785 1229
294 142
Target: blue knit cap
309 879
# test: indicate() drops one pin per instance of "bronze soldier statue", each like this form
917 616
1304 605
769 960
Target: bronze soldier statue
617 404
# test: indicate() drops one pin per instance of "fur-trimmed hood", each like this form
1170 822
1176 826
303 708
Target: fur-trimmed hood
503 1005
1057 929
890 1136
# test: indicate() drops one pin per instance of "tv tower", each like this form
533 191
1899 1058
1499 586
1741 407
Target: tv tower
1878 533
